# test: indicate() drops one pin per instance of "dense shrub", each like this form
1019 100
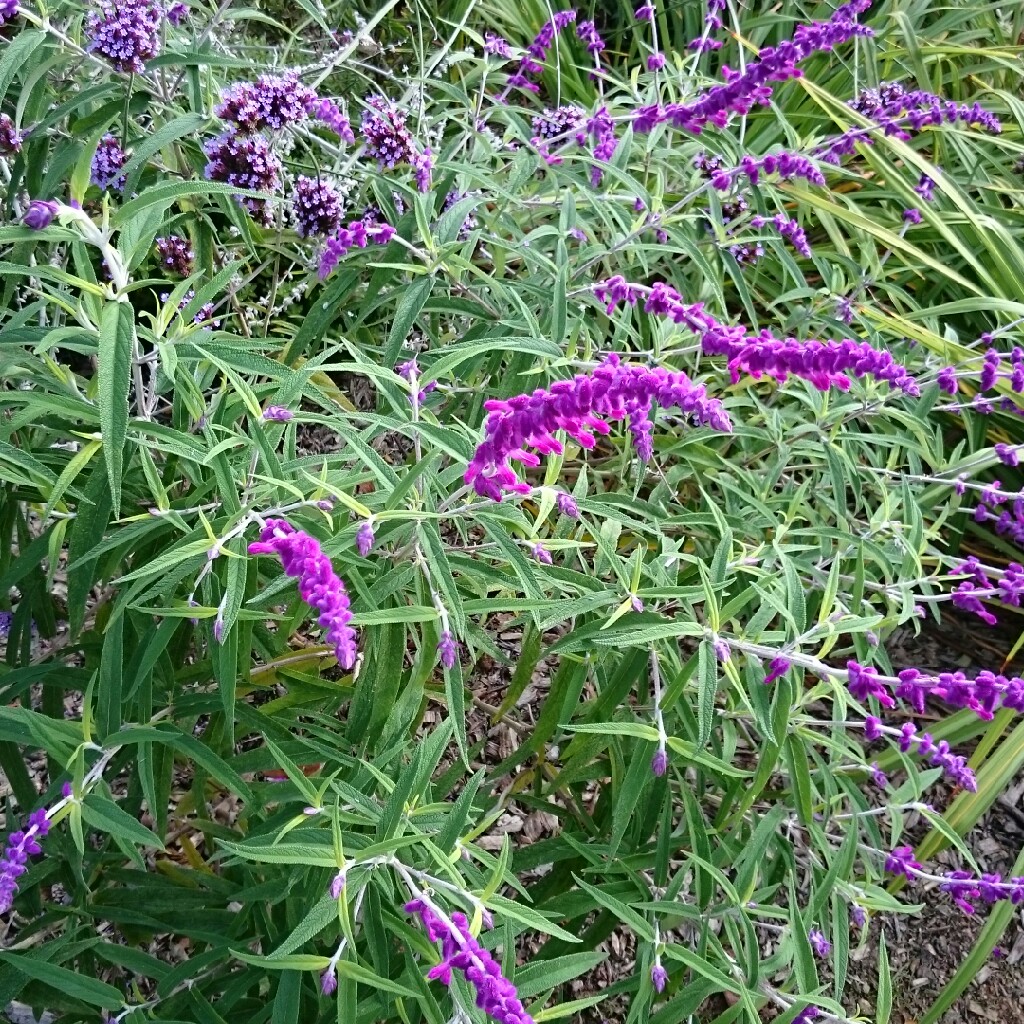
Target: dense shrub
418 427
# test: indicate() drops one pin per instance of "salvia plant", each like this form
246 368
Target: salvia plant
461 468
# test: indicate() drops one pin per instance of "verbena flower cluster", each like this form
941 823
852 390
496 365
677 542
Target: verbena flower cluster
107 162
614 390
176 254
385 135
272 103
316 207
319 586
10 138
246 162
125 32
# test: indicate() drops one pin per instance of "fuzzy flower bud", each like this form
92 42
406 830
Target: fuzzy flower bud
40 214
659 978
277 413
364 537
448 649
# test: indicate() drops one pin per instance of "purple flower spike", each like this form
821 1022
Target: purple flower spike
337 885
659 765
912 216
178 12
20 846
327 112
423 167
40 214
126 33
655 62
536 53
613 390
496 46
356 236
328 982
901 862
319 586
448 649
460 951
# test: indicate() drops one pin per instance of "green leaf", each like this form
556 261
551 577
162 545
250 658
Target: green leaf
68 983
116 350
107 816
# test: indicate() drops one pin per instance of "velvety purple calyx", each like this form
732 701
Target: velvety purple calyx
821 946
126 33
579 407
744 90
448 649
460 951
8 11
318 584
21 845
356 236
327 112
823 364
496 46
365 537
777 669
178 12
277 413
532 63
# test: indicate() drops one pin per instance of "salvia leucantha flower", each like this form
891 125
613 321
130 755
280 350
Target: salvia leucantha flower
178 12
40 214
460 951
910 741
176 254
319 585
744 90
316 207
126 33
824 364
496 46
788 228
614 390
356 236
327 112
247 162
107 162
10 138
271 102
448 649
963 886
8 11
532 63
21 845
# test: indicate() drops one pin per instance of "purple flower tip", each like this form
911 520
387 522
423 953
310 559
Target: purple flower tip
659 978
448 649
40 214
821 946
319 587
277 413
659 763
337 885
364 537
328 982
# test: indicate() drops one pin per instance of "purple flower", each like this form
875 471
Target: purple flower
460 951
789 229
858 915
107 162
567 506
602 130
807 1015
356 236
328 981
821 946
384 132
271 102
655 62
742 91
8 11
947 380
878 777
277 414
20 846
327 112
10 138
644 13
779 667
721 649
787 165
364 537
448 649
536 53
613 390
175 254
246 163
901 862
423 166
557 123
337 885
316 207
126 33
205 314
319 586
178 12
1008 454
659 978
925 188
659 765
541 553
823 364
40 214
586 31
912 216
862 681
495 46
